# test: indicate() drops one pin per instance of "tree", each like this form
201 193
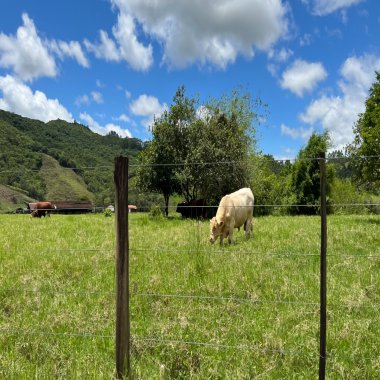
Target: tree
168 146
220 142
367 142
200 154
305 177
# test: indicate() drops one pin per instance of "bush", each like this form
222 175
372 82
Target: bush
155 211
107 213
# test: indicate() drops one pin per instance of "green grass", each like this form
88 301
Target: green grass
61 182
254 310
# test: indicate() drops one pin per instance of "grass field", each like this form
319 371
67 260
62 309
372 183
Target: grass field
245 311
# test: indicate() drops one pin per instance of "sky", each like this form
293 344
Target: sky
113 65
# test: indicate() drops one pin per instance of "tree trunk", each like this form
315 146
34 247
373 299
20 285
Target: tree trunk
166 197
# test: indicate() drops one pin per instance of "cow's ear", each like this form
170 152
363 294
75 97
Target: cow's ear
221 223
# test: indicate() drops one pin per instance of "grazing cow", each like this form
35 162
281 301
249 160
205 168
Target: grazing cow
235 210
193 209
42 209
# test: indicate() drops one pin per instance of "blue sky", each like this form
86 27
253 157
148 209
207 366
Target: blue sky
114 64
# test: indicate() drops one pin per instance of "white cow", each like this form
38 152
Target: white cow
235 210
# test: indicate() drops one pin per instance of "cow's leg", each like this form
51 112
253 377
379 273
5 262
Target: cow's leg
230 233
248 227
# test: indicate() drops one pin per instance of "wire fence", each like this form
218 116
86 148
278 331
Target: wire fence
194 297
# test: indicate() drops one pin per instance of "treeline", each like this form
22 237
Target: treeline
209 150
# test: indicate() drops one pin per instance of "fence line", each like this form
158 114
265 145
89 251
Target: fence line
208 250
172 207
259 159
189 297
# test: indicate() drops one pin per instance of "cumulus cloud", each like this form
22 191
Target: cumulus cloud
302 76
20 99
205 32
125 46
147 107
325 7
338 113
104 130
26 53
30 57
297 133
70 49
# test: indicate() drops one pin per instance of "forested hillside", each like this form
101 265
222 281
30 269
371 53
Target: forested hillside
59 160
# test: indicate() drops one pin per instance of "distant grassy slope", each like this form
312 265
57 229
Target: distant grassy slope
10 198
26 144
61 183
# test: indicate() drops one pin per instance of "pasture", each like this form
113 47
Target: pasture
245 311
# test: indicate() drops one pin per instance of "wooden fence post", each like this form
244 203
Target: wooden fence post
122 268
323 270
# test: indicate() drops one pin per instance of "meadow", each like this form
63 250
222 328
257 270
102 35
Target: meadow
245 311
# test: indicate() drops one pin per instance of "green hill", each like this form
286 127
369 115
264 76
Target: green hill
59 160
11 198
63 184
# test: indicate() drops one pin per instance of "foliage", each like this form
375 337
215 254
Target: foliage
107 213
367 142
220 143
342 164
305 176
169 131
199 154
269 182
353 201
155 211
25 143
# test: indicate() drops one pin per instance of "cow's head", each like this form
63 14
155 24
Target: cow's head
215 229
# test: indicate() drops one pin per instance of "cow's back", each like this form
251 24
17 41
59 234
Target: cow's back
243 201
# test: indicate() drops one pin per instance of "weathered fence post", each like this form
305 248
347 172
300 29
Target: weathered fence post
122 268
323 270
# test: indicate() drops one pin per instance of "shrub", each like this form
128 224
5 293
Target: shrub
107 213
155 211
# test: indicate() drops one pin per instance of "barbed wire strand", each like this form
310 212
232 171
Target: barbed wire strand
264 159
154 341
197 251
188 296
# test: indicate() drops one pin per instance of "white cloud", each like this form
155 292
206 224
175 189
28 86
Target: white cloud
125 46
303 76
20 99
281 55
205 32
106 49
306 39
104 130
325 7
97 97
25 53
297 133
125 118
338 113
84 99
148 107
30 57
70 49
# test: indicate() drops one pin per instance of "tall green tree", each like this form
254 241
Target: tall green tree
305 176
367 142
220 142
200 152
157 171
